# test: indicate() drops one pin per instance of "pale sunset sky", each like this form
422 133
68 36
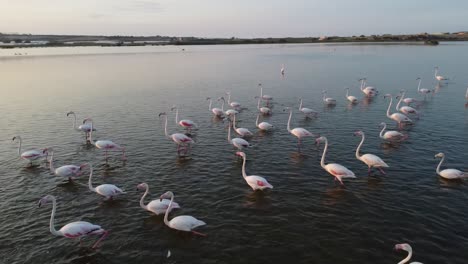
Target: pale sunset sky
239 18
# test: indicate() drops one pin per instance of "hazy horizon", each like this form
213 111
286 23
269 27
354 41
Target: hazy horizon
242 19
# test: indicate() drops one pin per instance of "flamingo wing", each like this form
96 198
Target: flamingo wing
185 223
79 229
160 207
258 182
339 171
452 174
373 161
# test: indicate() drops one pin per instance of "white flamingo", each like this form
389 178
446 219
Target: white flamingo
450 174
106 145
85 127
184 223
239 143
391 135
182 141
265 126
233 104
407 248
328 100
369 91
79 229
254 181
263 109
243 132
109 191
398 117
264 97
405 109
31 155
158 206
336 170
370 160
67 171
439 77
307 111
424 91
351 99
218 112
185 123
298 132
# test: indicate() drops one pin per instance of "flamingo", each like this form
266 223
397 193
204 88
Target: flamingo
307 111
180 139
106 145
66 171
109 191
405 109
265 126
298 132
264 110
351 99
230 113
79 229
155 206
85 127
391 135
424 91
182 222
407 248
450 174
265 97
370 160
31 155
185 123
369 91
218 112
398 117
328 100
439 77
336 170
282 69
235 105
239 143
254 181
243 132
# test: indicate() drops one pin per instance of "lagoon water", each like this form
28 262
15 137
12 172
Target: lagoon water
306 218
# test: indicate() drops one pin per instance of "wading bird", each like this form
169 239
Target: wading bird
265 126
264 97
336 170
243 132
182 141
439 77
155 206
218 112
405 109
263 109
298 132
307 111
328 100
398 117
391 135
109 191
239 143
254 181
185 123
105 145
31 155
235 105
85 127
67 171
424 91
351 99
450 174
370 160
369 91
407 248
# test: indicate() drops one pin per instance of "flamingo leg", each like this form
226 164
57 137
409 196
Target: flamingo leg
104 235
382 171
299 144
198 233
106 156
369 171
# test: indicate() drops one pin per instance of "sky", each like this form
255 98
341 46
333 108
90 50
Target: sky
233 18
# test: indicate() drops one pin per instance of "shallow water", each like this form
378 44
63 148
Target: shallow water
306 218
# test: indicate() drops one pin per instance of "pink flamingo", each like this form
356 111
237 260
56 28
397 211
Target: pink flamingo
439 77
85 127
235 105
180 139
407 248
282 69
218 112
298 132
106 145
264 97
369 91
79 229
336 170
398 117
31 155
369 159
449 174
243 132
263 109
265 126
109 191
239 143
405 109
254 181
424 91
66 171
307 111
391 135
185 123
184 223
155 206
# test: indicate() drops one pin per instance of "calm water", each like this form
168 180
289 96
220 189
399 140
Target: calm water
306 218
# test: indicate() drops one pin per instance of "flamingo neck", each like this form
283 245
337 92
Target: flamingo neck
256 122
324 96
74 120
440 164
165 127
229 133
289 121
419 85
222 105
347 92
261 91
258 103
90 184
322 161
362 84
399 101
389 105
243 167
20 144
359 147
211 102
300 104
169 208
410 253
229 98
177 116
52 219
234 122
435 72
91 134
142 205
382 132
51 163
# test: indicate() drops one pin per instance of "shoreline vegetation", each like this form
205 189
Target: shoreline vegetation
30 40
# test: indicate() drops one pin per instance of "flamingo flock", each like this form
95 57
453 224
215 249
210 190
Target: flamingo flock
185 223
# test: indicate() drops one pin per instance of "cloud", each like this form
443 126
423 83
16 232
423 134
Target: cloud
140 6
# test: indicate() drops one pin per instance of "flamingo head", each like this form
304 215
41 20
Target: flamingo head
320 140
436 67
439 155
382 124
240 153
88 119
259 84
70 113
173 107
208 98
387 95
358 133
166 195
17 137
47 150
228 92
162 114
404 246
419 78
84 165
45 200
142 186
286 108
